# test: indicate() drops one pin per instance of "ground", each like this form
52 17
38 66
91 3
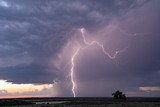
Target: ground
80 102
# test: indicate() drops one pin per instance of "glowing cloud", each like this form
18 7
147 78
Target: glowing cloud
148 89
8 87
4 4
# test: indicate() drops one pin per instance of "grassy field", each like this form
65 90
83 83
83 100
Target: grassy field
80 102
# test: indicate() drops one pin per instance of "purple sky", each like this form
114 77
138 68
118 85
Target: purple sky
39 38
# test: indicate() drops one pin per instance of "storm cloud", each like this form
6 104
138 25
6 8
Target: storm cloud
37 37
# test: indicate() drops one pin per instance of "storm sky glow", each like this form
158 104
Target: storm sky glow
94 42
79 48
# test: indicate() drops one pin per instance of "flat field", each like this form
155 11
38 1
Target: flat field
80 102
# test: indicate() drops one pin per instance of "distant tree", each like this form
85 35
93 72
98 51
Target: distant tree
119 95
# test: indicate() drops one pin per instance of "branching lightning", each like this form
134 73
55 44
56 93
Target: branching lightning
96 43
99 45
77 51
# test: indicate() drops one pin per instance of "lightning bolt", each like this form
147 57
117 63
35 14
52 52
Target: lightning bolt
77 51
94 42
72 72
99 45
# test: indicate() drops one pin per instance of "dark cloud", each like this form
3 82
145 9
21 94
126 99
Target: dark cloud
32 73
40 29
32 33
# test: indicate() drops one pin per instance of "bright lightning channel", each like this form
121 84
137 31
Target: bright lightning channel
76 53
72 71
98 44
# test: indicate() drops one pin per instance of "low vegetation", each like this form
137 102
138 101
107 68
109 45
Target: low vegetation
119 95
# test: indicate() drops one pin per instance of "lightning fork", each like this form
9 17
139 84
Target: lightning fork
100 45
76 53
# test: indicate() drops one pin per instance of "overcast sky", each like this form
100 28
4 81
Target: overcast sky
38 39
